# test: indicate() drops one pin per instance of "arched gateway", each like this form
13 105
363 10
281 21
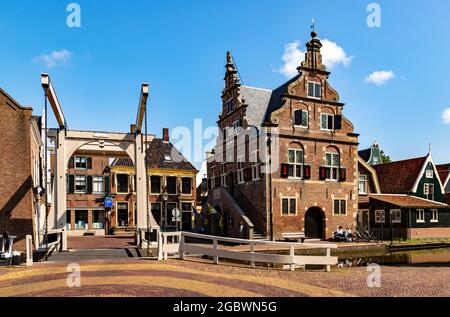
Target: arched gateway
315 223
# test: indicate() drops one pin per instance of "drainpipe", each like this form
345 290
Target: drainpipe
269 142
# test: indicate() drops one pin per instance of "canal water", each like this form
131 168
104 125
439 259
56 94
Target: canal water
434 257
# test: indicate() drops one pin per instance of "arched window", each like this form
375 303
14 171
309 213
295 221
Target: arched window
301 118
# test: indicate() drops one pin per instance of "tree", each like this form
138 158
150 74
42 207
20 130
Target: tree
385 158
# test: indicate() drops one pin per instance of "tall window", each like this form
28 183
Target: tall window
362 184
80 184
314 90
340 207
80 162
155 184
379 216
295 158
420 215
254 158
326 121
122 214
97 185
428 191
332 162
223 177
229 105
240 169
434 215
171 184
186 186
301 118
122 183
289 206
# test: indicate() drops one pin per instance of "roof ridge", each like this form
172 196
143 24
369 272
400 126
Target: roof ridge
257 88
405 160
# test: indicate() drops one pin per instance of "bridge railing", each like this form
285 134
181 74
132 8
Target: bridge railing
175 243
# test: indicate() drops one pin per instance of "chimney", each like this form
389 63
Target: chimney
132 128
166 135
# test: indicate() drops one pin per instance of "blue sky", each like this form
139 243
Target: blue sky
179 48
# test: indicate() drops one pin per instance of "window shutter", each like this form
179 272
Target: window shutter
342 174
71 162
338 122
71 184
306 172
89 184
107 180
298 117
89 163
284 170
322 173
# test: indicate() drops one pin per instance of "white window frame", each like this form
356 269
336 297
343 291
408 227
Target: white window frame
117 212
315 85
85 184
75 162
429 174
290 213
427 192
322 115
296 164
306 116
254 159
333 167
235 126
380 216
340 207
94 191
364 181
420 215
434 215
240 169
396 215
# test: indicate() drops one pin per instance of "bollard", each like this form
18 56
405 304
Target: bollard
29 250
64 240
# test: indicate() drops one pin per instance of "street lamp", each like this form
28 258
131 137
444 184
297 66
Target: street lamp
165 197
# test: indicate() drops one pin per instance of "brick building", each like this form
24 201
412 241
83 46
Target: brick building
22 200
313 187
167 174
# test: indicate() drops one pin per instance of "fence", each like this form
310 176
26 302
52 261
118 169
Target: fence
175 243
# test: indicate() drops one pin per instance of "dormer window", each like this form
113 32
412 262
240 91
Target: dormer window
314 90
429 174
167 157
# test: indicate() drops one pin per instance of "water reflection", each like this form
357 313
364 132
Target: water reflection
437 257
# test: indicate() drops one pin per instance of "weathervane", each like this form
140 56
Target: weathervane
313 29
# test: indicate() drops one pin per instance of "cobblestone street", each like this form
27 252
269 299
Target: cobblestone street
197 277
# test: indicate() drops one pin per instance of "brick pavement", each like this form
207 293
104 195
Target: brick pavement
197 277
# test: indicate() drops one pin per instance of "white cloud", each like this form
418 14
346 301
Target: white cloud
446 116
380 77
332 55
201 173
54 58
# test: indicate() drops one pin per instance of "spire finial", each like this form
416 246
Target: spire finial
229 57
313 29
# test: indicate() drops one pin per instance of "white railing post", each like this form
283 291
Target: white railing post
181 249
252 251
165 254
29 250
216 247
64 240
160 246
292 254
328 257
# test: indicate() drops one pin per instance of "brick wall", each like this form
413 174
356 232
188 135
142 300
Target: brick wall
16 197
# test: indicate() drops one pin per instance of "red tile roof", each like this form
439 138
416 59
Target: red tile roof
399 177
407 201
444 171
